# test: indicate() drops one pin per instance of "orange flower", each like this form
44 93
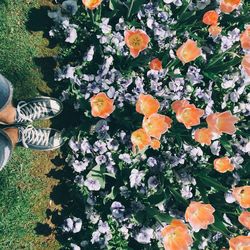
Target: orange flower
155 144
187 113
240 243
242 195
246 64
223 165
227 6
199 215
222 122
101 105
176 236
147 105
245 38
210 17
244 219
91 4
156 125
188 51
156 64
137 41
203 136
179 104
140 139
214 30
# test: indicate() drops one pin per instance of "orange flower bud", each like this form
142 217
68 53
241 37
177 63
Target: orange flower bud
147 105
210 17
140 139
246 64
244 219
214 30
91 4
203 136
199 215
187 113
101 105
156 64
223 165
222 122
245 39
240 243
227 6
176 236
155 144
188 51
156 125
242 195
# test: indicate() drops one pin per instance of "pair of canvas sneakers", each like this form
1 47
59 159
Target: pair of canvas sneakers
39 108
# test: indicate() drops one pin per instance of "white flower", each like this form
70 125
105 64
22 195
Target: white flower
145 235
72 35
136 177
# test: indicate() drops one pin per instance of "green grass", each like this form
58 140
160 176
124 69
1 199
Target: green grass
19 189
16 194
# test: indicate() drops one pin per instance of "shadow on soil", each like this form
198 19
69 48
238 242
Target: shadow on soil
66 199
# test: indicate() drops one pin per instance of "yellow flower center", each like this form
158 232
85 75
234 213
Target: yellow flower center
135 41
99 104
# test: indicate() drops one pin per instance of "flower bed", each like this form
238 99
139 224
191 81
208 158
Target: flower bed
161 154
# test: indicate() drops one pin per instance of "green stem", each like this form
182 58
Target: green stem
130 8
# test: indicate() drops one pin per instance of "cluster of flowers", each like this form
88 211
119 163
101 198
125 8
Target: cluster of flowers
184 66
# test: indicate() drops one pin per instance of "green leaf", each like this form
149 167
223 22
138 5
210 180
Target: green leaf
115 4
110 196
161 217
179 199
210 182
224 66
227 146
219 226
97 174
158 197
135 6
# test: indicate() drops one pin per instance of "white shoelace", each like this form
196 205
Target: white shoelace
30 112
31 135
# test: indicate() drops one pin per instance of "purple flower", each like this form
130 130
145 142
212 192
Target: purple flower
125 157
152 182
92 184
80 166
70 7
112 144
100 159
117 210
100 147
85 146
151 162
73 224
103 227
74 145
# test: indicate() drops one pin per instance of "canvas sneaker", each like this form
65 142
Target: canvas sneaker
43 139
38 108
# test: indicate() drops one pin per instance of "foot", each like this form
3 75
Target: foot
37 109
42 139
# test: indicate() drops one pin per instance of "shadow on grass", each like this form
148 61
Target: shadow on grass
65 196
39 21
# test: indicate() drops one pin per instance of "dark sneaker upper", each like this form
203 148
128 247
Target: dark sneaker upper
37 109
40 138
